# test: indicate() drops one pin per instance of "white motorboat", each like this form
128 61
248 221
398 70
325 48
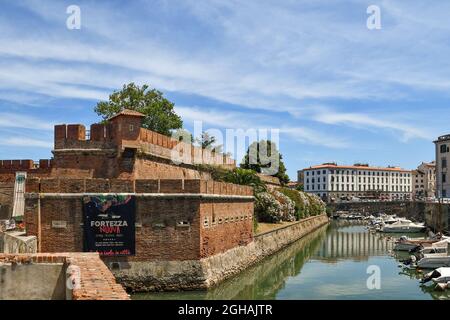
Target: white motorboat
403 225
426 245
390 220
439 275
434 261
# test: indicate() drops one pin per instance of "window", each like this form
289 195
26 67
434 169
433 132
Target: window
444 178
444 163
444 148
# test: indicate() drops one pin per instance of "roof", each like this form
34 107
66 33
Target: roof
335 166
128 112
443 138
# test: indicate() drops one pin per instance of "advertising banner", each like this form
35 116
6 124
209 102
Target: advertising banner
109 225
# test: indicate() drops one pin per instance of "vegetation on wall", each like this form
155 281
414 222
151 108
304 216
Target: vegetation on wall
271 205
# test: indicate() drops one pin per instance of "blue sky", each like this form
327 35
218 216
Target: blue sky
336 90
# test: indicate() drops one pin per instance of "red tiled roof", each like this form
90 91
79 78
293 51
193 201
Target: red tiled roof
128 112
332 166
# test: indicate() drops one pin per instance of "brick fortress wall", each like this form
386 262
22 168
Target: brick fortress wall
175 219
122 149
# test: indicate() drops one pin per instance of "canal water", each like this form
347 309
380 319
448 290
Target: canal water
334 262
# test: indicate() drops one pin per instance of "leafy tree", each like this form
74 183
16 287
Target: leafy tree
263 157
207 141
159 112
183 135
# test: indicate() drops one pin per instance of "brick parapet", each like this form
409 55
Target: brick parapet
139 186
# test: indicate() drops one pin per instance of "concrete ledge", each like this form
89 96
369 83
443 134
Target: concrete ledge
83 276
17 242
208 272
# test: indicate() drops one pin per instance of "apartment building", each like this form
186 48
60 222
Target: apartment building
332 182
442 159
424 180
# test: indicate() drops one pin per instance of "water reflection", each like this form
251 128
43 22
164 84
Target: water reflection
261 281
330 263
350 240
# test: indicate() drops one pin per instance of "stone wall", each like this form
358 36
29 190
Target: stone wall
58 276
209 271
401 208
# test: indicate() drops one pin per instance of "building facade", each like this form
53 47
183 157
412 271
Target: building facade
442 159
424 180
332 182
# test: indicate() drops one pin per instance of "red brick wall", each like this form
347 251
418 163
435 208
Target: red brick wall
158 235
167 228
225 225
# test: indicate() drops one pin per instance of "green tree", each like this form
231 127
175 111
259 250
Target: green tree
263 157
159 112
208 141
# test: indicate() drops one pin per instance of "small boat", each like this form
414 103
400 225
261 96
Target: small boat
439 275
403 225
434 261
406 244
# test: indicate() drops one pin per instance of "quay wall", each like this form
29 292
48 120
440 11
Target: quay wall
435 215
400 208
145 276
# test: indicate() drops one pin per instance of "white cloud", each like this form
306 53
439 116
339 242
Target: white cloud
261 55
11 120
364 121
314 137
25 142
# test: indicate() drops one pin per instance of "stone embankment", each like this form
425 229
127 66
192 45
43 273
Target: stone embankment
208 272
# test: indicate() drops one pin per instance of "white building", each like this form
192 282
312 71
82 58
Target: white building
332 182
442 160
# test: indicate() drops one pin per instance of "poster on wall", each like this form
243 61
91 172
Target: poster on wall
109 225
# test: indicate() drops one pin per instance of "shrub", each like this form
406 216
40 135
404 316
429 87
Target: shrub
239 176
274 207
305 204
317 206
267 208
287 206
295 196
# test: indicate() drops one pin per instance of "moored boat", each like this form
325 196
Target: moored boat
439 275
403 226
